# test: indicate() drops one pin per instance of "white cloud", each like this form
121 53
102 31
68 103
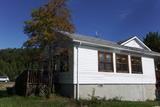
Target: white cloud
124 14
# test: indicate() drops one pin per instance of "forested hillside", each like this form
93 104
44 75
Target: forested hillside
14 61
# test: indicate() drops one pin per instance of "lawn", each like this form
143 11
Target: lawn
57 101
16 101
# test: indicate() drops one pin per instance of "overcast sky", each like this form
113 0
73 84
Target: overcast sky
113 19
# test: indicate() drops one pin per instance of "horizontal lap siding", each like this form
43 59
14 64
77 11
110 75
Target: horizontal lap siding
88 70
134 44
149 69
88 60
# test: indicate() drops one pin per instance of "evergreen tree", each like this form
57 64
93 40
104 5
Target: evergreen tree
152 40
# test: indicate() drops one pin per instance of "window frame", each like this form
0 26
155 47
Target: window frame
105 62
127 63
133 72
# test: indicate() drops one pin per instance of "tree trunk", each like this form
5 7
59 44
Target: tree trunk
49 85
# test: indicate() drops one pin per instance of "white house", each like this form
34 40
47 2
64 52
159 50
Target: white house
93 66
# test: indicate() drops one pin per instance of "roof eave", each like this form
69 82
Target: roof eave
152 53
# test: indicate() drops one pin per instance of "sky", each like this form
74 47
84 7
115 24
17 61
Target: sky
113 20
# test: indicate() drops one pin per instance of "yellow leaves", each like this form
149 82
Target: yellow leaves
54 4
32 41
48 36
46 21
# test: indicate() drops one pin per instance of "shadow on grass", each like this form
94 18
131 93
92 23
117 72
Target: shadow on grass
3 93
9 91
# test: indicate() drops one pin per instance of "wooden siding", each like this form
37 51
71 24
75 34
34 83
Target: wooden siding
88 70
133 43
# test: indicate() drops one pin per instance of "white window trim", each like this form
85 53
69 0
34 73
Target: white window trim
129 64
114 62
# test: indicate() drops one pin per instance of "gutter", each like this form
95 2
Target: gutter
95 44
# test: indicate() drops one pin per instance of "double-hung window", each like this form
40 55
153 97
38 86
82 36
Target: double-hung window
122 63
136 65
105 62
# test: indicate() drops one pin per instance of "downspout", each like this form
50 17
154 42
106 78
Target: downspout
77 91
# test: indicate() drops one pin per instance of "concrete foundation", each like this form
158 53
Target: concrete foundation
136 92
121 92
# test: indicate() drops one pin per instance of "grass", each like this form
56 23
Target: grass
117 103
17 101
124 104
57 101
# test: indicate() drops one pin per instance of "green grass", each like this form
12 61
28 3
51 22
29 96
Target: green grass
16 101
124 104
56 101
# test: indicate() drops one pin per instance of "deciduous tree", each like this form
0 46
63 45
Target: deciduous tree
45 22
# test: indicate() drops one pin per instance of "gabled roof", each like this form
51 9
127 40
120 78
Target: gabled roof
120 42
93 41
124 42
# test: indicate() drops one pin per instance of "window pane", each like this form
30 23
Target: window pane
122 58
105 63
122 68
122 63
101 57
101 66
109 67
136 65
108 58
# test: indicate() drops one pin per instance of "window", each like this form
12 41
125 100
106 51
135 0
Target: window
105 62
122 63
136 65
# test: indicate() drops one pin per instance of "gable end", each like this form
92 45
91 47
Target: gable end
135 43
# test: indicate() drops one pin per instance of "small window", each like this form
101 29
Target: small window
105 62
122 63
136 64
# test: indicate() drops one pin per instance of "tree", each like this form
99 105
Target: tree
45 22
15 61
152 40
